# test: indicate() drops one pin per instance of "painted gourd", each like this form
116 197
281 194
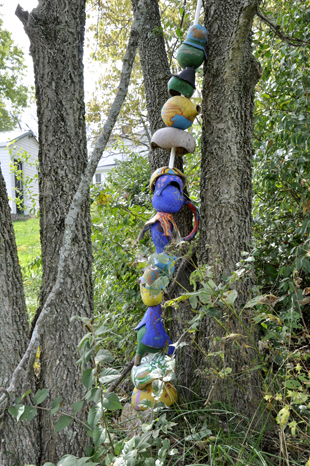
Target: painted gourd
151 334
150 297
169 396
142 375
182 83
177 86
179 112
196 37
169 200
190 56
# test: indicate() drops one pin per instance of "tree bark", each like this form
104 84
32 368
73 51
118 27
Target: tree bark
230 76
17 441
56 33
156 74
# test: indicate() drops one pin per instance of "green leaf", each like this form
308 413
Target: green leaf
23 396
85 461
172 452
149 461
103 356
111 402
108 375
77 406
253 302
94 416
230 296
16 411
212 312
56 405
29 413
99 435
46 464
41 395
63 422
146 403
88 378
193 301
93 395
67 460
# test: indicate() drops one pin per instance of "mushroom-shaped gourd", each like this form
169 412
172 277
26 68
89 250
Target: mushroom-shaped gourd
179 112
168 137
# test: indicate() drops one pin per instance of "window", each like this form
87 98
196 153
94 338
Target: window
98 178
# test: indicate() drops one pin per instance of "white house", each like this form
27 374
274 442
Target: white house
21 149
111 156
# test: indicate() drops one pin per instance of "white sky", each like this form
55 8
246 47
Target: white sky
13 24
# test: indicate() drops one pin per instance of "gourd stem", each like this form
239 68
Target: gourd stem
172 155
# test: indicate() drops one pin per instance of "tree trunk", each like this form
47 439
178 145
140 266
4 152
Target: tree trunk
230 76
56 33
156 74
17 441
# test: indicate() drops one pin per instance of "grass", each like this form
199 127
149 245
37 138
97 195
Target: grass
27 233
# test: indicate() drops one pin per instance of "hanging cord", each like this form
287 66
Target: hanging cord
198 8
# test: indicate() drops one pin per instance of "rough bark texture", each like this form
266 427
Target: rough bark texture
56 33
156 74
17 441
230 76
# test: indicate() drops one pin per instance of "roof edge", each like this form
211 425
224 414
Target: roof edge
22 136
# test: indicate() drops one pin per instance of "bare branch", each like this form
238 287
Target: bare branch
22 14
127 368
291 40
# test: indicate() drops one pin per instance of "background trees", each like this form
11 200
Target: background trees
13 95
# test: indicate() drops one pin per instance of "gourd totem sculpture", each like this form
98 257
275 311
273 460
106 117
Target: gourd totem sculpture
167 185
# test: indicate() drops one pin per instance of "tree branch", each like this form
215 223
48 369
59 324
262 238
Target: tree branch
126 369
294 41
82 192
21 14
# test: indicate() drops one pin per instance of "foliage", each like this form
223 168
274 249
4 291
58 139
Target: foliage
120 208
28 182
13 95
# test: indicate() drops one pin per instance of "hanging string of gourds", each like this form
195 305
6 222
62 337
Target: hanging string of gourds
167 186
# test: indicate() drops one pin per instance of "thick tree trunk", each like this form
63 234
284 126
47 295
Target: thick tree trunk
230 76
156 74
17 441
56 32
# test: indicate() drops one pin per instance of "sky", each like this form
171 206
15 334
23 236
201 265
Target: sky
13 24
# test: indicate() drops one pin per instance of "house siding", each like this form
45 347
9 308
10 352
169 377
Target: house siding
30 188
